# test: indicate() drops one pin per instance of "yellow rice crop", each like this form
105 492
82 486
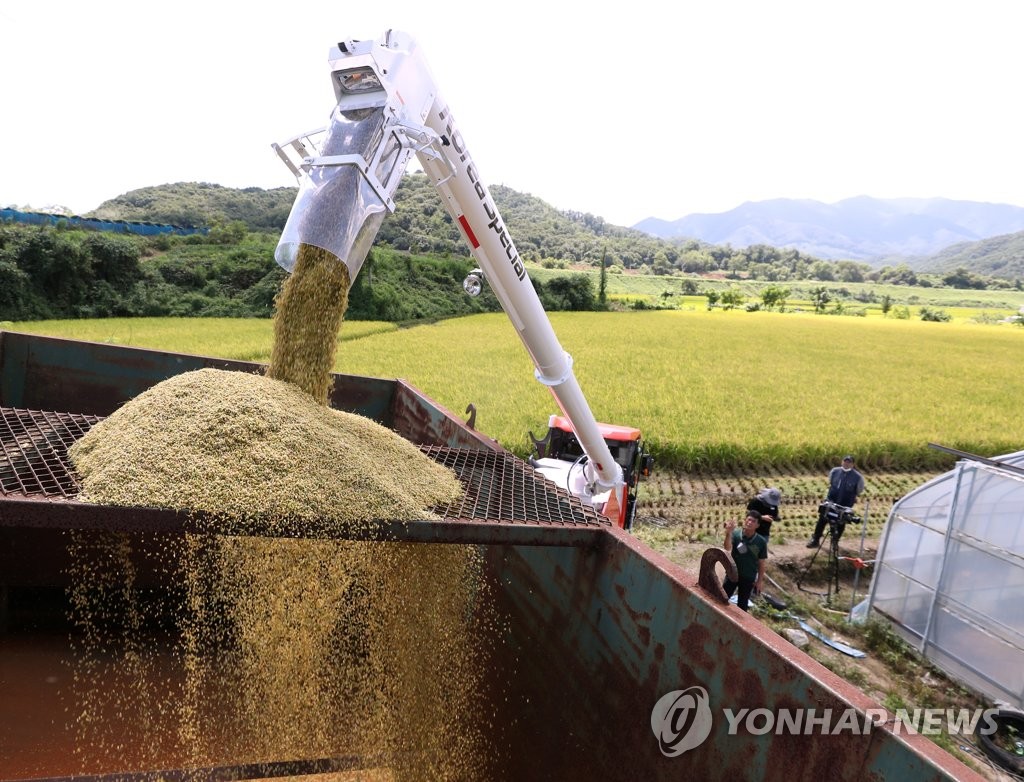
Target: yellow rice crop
716 389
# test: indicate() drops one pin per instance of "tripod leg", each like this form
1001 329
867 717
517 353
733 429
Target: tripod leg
834 554
810 563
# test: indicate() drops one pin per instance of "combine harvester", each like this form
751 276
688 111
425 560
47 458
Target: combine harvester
609 662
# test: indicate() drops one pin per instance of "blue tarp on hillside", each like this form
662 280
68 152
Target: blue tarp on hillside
91 223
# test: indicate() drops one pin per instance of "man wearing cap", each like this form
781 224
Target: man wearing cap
844 486
767 504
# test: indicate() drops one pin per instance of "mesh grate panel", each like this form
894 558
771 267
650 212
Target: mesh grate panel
498 486
34 459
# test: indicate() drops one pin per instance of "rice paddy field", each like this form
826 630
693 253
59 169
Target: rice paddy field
856 296
710 390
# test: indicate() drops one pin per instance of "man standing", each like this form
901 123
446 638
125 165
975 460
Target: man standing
750 553
845 485
767 504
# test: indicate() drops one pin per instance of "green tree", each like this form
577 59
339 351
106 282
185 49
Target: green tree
822 270
61 272
848 271
901 312
115 259
935 315
228 233
16 294
732 297
695 262
571 292
820 297
897 275
661 263
962 278
774 296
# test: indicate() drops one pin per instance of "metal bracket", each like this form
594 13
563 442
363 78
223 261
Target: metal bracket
364 168
556 381
708 579
304 147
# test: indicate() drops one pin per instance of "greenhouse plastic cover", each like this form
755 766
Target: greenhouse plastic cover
950 574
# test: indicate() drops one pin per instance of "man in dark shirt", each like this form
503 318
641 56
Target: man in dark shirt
845 484
767 504
750 553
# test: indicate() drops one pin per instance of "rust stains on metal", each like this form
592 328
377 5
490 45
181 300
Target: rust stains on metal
431 423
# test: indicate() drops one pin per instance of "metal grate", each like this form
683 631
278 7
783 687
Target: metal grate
34 457
498 486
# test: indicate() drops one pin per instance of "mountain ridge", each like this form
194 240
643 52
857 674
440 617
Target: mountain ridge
822 231
861 228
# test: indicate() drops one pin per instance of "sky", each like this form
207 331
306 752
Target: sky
623 110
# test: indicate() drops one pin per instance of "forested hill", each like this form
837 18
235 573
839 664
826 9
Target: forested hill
551 237
416 267
1000 256
419 223
199 203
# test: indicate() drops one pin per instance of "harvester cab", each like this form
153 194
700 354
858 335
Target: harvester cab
388 109
559 457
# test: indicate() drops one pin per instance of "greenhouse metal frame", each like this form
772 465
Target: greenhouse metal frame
950 573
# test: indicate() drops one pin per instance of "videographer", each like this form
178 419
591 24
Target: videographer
845 485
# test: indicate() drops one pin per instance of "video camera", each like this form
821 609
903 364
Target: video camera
837 516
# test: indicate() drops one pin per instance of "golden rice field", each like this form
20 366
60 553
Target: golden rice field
241 339
708 389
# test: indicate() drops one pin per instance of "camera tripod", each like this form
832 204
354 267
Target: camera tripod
837 517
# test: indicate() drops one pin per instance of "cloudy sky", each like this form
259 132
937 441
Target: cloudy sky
626 111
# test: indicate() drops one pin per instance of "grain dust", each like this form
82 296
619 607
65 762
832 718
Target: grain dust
282 648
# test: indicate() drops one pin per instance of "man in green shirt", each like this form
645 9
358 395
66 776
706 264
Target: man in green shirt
750 553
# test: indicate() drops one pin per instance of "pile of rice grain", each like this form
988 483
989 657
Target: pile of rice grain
289 648
246 446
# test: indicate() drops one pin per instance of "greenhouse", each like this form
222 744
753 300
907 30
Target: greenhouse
950 573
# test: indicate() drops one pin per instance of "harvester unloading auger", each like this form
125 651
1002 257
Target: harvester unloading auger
389 109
